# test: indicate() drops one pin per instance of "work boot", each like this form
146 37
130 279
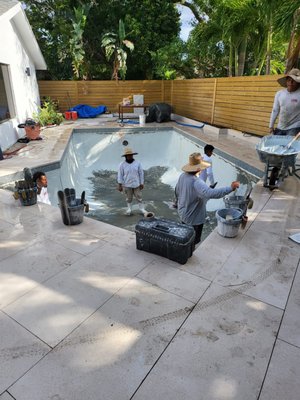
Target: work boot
129 209
142 209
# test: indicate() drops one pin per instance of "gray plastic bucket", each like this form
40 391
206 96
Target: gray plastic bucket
236 202
229 221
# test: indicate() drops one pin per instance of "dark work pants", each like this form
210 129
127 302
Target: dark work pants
198 232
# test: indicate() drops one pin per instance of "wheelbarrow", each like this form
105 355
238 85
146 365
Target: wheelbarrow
279 154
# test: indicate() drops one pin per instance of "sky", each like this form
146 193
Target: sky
186 18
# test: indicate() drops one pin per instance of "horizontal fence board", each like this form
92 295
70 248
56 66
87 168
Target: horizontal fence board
242 103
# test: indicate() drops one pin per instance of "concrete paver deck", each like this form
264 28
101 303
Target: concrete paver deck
84 315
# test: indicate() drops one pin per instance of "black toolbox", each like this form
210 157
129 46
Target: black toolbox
166 238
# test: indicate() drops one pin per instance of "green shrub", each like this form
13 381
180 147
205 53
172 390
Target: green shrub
48 114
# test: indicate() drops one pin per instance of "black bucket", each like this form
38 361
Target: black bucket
76 213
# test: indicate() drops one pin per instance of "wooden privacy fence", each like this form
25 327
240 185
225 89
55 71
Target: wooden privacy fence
241 103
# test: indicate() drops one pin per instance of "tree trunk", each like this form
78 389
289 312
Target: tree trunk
236 64
294 45
230 61
242 56
269 47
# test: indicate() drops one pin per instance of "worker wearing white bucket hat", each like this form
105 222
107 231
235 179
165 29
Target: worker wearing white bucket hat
131 180
287 105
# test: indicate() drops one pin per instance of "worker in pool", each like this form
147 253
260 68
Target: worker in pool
131 180
40 179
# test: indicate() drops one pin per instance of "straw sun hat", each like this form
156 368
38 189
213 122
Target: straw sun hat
195 164
293 73
128 152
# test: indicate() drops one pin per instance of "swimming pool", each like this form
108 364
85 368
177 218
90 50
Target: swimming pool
91 161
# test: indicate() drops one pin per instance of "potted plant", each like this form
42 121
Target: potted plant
48 114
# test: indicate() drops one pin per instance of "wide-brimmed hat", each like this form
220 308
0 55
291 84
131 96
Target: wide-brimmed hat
293 73
128 152
196 163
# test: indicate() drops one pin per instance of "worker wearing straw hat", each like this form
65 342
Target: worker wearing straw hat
193 193
131 180
287 105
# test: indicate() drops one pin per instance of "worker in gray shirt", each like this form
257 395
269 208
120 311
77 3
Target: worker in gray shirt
193 193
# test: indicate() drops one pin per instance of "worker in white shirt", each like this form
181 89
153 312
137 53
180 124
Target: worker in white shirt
41 182
131 180
208 172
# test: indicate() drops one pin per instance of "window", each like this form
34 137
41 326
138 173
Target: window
5 94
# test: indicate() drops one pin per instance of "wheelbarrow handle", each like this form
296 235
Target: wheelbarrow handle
292 141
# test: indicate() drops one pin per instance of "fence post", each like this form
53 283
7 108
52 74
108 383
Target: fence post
213 102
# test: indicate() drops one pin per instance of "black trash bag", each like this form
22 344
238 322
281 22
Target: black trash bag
159 112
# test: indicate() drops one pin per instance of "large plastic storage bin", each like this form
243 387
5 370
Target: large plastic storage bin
166 238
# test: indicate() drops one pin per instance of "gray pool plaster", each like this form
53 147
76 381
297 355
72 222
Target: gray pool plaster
84 315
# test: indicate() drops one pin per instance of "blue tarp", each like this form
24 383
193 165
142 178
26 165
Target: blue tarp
85 111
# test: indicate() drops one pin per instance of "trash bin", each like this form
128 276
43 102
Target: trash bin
229 220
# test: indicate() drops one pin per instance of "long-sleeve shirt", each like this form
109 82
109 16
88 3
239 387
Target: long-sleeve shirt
208 172
193 194
287 106
131 175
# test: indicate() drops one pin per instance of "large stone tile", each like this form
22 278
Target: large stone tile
206 263
108 233
19 351
24 270
14 238
221 351
13 213
6 396
176 281
73 239
110 354
263 266
278 214
290 326
57 306
283 377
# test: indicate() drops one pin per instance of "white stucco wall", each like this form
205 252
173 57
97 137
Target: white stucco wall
24 88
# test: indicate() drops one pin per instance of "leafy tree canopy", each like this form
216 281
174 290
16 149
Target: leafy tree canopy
150 25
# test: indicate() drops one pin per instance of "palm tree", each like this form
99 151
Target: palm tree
114 45
289 16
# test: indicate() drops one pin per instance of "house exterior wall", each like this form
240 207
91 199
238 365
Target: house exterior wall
24 88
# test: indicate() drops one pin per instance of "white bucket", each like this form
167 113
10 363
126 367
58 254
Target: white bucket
229 221
142 119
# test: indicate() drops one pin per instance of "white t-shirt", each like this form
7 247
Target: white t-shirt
287 106
43 197
208 172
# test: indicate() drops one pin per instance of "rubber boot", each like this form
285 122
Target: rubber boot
142 209
129 209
